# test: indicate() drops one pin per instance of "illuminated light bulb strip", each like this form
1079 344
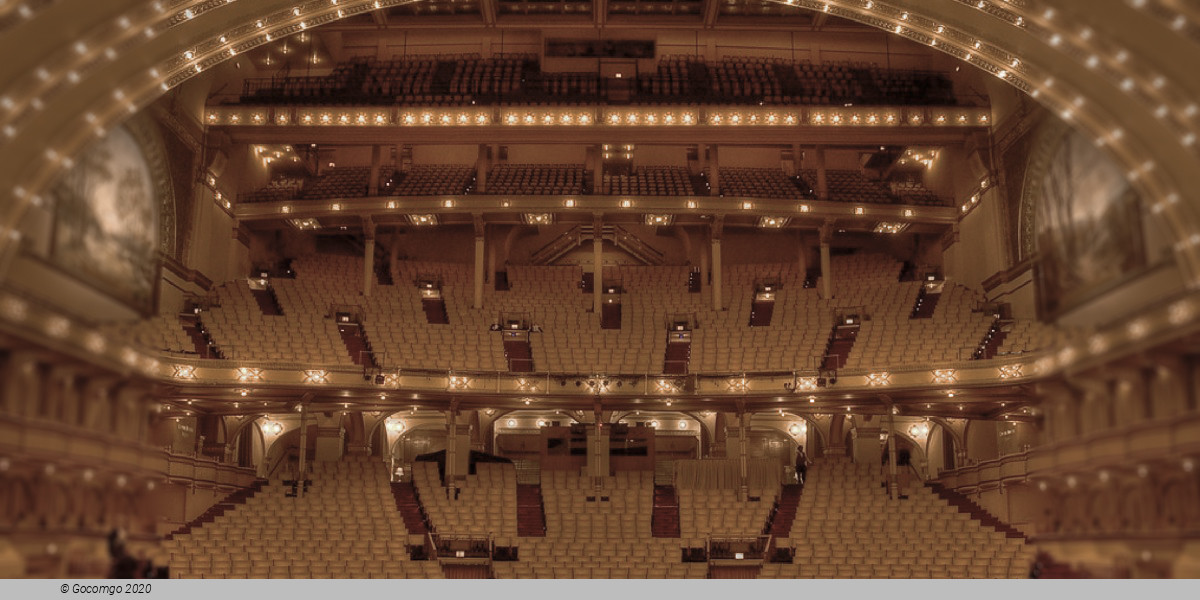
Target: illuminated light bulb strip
1116 63
1179 22
37 318
139 92
592 116
968 205
850 16
966 45
272 27
24 13
74 63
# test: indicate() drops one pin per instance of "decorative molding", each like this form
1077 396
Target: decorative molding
186 274
1000 278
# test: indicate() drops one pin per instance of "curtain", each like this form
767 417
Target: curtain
722 473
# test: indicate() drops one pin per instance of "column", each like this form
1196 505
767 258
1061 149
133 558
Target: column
479 246
595 164
826 270
743 451
714 172
716 273
801 255
373 179
476 432
482 163
451 448
490 274
717 450
302 475
368 255
598 448
822 182
597 263
893 482
368 265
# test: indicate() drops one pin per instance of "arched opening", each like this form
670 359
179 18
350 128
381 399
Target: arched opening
250 446
422 439
941 449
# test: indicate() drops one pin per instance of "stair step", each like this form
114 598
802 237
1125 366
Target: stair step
664 521
531 512
435 311
760 313
219 509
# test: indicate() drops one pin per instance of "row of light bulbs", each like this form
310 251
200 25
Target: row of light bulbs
904 17
1070 105
768 221
235 116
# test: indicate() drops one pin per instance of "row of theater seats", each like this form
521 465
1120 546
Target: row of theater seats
599 534
280 189
651 181
345 526
557 179
850 186
801 323
759 183
620 510
470 79
568 179
781 81
571 340
161 332
485 504
890 337
846 526
429 180
304 336
436 79
720 512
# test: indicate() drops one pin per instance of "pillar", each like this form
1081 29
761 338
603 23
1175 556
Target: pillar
716 274
717 450
822 182
596 166
704 283
479 247
490 274
482 163
743 451
597 263
714 174
476 432
373 179
597 449
302 475
368 255
451 449
893 482
233 263
368 265
826 233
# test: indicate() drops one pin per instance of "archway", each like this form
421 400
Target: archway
415 441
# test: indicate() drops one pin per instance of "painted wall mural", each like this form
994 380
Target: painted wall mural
1087 228
107 220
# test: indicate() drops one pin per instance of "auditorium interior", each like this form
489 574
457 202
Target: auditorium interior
599 289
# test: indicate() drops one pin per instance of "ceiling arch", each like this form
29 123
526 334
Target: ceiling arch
75 68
